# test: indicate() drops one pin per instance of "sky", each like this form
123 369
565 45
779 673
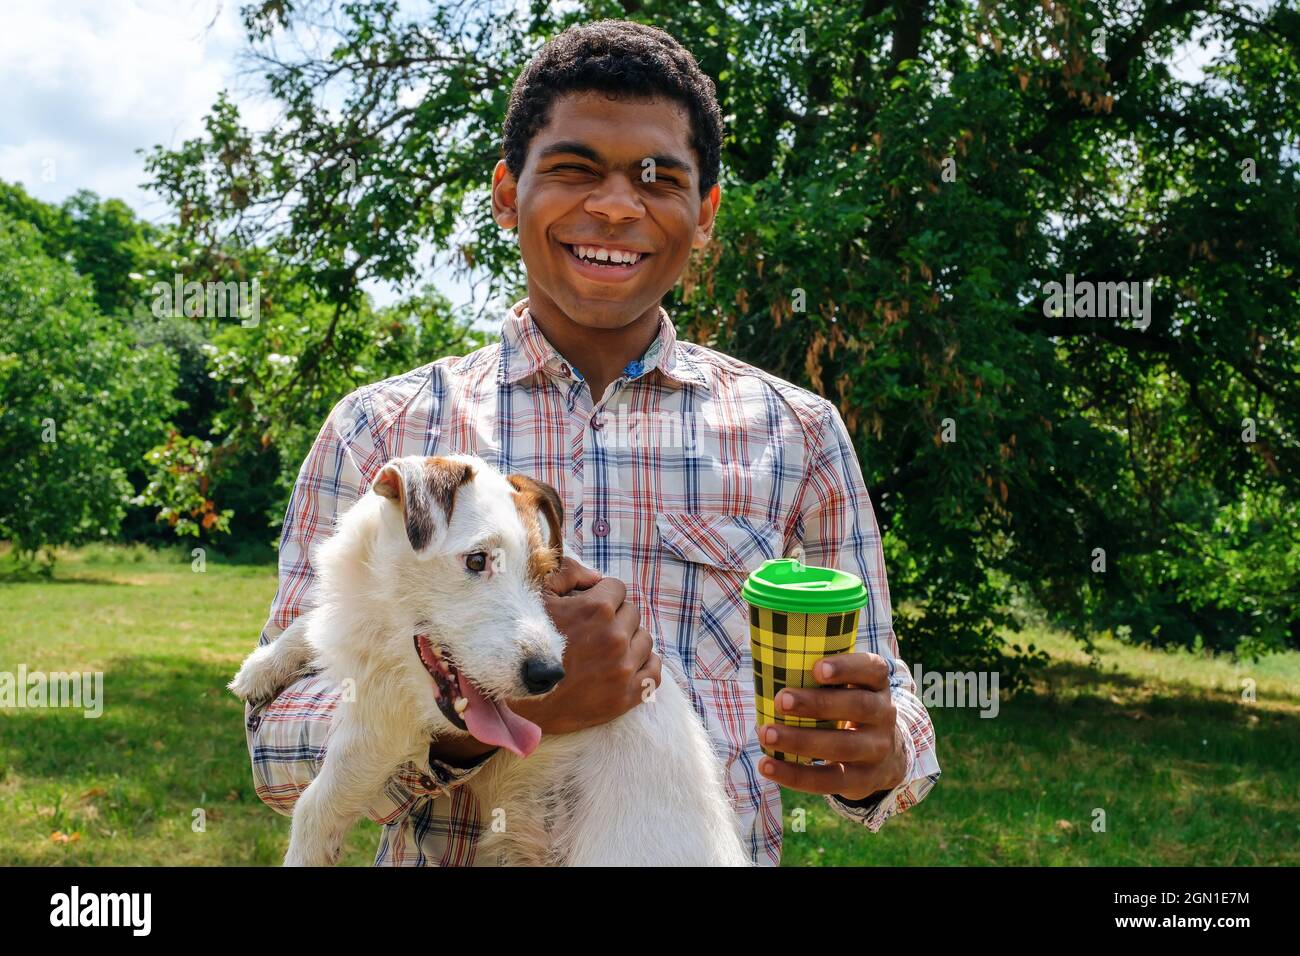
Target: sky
92 82
86 84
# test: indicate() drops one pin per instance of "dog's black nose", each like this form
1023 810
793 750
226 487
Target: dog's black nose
540 674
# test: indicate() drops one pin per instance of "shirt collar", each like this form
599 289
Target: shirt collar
525 350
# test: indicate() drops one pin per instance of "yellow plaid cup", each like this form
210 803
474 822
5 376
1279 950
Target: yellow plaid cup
785 648
785 644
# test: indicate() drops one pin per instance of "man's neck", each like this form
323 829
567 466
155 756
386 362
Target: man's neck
599 354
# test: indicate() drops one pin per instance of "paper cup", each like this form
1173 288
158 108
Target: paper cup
798 614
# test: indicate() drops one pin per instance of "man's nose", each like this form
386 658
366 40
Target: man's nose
541 674
615 200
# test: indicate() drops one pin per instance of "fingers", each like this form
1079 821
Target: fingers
834 745
571 576
601 601
607 591
650 674
641 649
847 779
864 670
627 619
857 704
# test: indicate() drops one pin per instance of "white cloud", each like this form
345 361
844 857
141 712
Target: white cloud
93 81
84 84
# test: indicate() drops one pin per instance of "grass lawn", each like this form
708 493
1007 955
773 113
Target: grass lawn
1186 772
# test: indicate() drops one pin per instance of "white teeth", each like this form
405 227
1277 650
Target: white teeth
461 705
601 254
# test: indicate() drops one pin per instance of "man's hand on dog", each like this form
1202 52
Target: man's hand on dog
608 655
865 755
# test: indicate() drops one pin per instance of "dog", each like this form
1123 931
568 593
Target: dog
430 602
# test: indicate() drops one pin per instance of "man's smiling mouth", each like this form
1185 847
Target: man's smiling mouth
605 263
606 255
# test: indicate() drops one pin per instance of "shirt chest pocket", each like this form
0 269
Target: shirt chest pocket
703 560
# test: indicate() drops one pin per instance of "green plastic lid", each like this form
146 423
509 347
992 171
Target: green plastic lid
785 584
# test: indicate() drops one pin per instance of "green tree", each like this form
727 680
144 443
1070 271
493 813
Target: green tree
902 181
79 402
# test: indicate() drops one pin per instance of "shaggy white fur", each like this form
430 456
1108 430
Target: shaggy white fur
446 548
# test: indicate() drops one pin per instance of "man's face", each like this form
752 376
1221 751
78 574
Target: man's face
617 175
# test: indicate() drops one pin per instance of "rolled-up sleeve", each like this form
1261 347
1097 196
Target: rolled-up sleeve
288 735
840 531
288 738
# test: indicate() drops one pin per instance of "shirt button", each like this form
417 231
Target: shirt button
254 721
600 527
597 422
564 370
426 781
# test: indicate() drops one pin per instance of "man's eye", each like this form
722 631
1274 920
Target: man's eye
476 561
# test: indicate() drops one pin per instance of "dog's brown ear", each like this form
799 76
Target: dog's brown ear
425 490
535 500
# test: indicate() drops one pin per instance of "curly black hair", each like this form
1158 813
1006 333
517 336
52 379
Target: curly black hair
622 58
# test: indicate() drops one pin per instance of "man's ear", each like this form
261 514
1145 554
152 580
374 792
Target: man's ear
709 206
537 498
425 490
505 197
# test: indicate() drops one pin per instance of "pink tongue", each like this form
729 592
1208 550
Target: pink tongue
496 724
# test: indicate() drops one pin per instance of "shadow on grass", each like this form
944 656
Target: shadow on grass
1074 672
1198 729
1060 675
170 740
1185 775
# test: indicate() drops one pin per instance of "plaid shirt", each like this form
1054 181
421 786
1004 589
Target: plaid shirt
690 471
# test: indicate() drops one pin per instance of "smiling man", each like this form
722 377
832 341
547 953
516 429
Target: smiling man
611 144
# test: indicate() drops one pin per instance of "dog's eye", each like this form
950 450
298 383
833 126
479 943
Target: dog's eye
476 561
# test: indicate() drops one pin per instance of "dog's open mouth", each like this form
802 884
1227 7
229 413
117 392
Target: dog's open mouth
465 707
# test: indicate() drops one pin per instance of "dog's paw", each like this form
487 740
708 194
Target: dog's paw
258 678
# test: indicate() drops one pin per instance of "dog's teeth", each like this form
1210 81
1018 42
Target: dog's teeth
461 705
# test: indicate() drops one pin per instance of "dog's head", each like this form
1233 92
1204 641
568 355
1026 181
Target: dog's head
469 549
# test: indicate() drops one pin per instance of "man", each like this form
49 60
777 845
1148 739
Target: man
681 470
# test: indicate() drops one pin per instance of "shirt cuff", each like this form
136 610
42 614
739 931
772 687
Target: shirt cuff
874 810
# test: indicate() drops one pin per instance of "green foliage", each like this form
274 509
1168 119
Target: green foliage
102 240
901 180
79 401
179 489
246 397
283 376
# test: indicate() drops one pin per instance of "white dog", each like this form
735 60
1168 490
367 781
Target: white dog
429 600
